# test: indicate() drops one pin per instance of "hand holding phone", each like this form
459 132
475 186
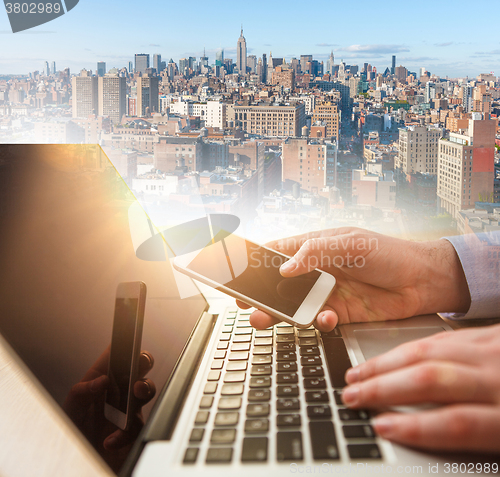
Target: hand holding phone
125 349
250 273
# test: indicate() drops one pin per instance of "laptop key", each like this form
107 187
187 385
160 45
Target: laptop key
264 334
213 376
310 360
243 331
286 366
323 440
229 403
224 337
338 398
337 360
286 356
309 371
261 370
210 388
223 436
235 377
242 339
220 353
287 390
289 446
364 430
285 338
236 366
314 383
219 455
306 333
222 345
353 415
364 451
257 395
287 404
285 347
254 449
260 382
317 396
258 410
256 425
308 341
217 364
232 389
190 455
240 347
285 330
262 350
206 402
288 420
238 356
197 434
201 417
321 411
226 419
263 341
287 378
262 360
309 351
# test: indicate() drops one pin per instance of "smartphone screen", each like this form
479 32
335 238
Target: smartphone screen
253 271
120 360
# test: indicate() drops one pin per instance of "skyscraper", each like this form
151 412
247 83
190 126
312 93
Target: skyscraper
331 63
112 94
47 69
141 62
219 57
84 94
304 59
101 68
147 95
264 68
157 63
130 67
393 67
241 54
53 67
252 63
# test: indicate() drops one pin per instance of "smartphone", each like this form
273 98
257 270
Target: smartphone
250 273
125 349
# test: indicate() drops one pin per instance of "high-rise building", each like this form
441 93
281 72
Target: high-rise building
47 69
393 67
284 77
112 96
157 63
401 73
252 63
418 149
466 169
219 57
130 67
184 66
53 67
241 54
330 64
304 59
101 68
264 68
327 113
467 97
141 62
147 95
84 94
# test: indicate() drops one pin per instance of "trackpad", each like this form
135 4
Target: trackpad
375 342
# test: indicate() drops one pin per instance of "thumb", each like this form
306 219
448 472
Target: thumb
321 252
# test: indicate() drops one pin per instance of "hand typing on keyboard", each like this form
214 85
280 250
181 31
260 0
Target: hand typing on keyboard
459 370
378 277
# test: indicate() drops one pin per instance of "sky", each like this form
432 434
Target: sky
454 39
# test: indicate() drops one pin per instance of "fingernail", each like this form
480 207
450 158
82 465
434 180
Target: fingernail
352 375
289 266
383 425
321 318
350 395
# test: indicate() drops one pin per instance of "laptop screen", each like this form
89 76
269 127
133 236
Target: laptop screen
65 246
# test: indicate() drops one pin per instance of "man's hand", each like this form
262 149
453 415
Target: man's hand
458 369
378 277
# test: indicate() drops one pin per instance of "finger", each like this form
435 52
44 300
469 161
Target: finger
144 390
119 439
458 427
432 348
261 320
326 320
429 382
242 305
146 363
93 387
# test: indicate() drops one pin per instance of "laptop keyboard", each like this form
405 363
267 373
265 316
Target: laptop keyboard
254 371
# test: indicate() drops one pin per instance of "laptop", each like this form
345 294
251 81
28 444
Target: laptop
230 399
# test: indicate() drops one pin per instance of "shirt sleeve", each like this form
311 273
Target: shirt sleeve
479 255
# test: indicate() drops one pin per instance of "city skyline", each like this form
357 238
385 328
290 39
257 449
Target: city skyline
396 29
